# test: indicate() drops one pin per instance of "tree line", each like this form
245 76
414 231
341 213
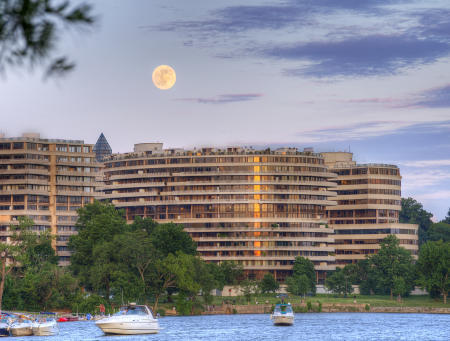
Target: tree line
393 271
114 262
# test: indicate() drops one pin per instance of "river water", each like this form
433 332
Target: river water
323 326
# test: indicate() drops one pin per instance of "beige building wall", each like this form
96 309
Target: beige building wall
46 180
260 208
368 206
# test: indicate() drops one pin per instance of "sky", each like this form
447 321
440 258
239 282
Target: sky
372 77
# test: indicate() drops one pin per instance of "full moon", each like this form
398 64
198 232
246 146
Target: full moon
164 77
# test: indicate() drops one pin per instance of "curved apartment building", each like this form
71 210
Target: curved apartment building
260 208
47 181
368 207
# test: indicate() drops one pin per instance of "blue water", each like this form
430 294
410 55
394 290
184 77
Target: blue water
323 326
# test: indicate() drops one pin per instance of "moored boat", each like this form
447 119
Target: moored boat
21 327
45 327
283 315
130 320
5 320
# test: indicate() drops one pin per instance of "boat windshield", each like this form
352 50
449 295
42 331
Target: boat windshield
283 309
133 310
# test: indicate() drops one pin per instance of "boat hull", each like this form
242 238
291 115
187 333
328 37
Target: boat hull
128 328
45 329
283 320
21 331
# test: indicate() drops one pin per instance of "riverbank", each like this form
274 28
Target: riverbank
324 308
263 304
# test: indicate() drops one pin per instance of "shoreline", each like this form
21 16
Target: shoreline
230 309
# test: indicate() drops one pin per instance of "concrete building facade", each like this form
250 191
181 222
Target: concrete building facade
367 210
260 208
46 180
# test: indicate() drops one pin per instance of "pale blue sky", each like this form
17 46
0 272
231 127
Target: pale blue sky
372 75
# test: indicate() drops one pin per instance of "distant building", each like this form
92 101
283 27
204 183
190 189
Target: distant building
46 180
367 210
102 148
260 208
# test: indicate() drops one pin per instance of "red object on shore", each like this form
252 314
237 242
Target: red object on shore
63 319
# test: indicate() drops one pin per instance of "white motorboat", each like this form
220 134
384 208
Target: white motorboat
283 315
130 320
21 327
45 327
4 327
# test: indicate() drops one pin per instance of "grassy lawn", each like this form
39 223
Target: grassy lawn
374 301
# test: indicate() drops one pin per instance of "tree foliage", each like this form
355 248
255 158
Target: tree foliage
268 284
34 280
298 285
433 267
249 288
303 266
412 212
303 279
439 231
30 29
94 257
446 220
391 263
340 282
144 261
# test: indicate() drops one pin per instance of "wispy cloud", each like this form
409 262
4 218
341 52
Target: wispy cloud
358 56
413 37
434 98
426 163
435 195
424 178
223 99
352 131
242 18
437 97
365 130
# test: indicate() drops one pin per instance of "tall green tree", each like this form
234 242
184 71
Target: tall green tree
35 280
173 271
135 249
389 264
98 223
446 220
30 30
433 267
340 282
298 285
304 266
248 288
171 238
439 231
12 253
412 212
268 284
230 273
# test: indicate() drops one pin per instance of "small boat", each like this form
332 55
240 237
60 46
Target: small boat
130 320
283 315
4 327
45 327
5 320
21 327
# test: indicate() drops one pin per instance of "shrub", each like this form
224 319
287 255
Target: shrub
309 306
300 309
161 312
367 307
